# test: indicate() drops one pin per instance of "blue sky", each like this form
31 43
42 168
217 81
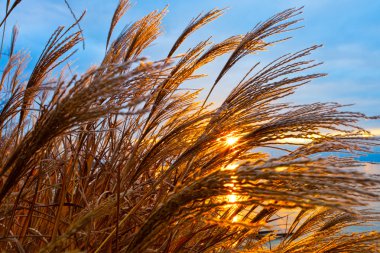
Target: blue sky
349 30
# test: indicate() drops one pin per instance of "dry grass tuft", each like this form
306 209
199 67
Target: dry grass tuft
121 158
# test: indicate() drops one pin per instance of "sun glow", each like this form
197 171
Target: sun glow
231 140
231 198
235 218
375 132
298 141
280 169
232 166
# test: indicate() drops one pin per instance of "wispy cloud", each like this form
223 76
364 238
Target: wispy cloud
349 30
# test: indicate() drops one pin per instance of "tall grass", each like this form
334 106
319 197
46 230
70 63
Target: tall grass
121 158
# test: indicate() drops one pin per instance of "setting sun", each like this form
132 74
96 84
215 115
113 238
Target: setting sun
231 140
231 198
232 166
166 127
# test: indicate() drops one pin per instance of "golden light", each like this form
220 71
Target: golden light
280 169
370 134
295 141
232 166
230 141
231 198
235 218
374 132
299 141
